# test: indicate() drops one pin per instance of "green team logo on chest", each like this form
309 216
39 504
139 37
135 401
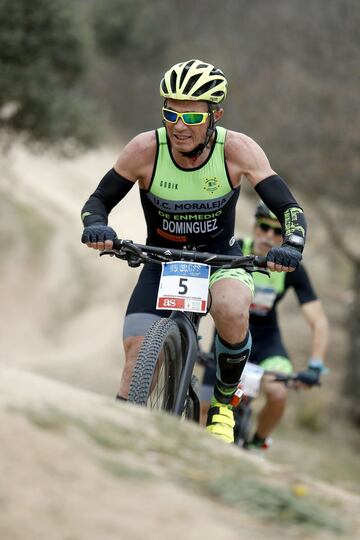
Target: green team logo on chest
211 184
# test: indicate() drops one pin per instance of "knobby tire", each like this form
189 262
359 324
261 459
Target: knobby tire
155 380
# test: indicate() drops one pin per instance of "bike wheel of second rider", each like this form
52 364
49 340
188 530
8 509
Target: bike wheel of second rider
156 375
242 417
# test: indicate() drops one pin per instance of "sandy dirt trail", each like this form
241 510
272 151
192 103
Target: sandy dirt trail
73 468
61 316
62 306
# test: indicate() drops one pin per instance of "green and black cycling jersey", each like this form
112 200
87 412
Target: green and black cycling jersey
190 207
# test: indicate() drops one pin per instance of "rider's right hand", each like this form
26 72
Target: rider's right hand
98 236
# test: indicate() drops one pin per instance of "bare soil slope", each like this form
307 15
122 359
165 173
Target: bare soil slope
75 465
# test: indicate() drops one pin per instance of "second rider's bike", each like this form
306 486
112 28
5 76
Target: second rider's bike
249 389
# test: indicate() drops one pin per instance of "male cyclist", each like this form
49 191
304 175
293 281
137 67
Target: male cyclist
268 350
189 173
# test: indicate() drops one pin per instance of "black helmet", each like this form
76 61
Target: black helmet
262 211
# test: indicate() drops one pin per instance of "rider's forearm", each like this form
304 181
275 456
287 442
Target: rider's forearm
277 196
320 339
318 322
112 188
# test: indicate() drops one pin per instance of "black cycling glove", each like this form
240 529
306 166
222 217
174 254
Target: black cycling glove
285 255
309 377
97 232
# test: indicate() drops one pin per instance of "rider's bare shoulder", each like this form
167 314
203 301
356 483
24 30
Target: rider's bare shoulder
137 157
246 157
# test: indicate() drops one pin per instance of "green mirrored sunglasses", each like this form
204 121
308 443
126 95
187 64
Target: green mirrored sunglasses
189 118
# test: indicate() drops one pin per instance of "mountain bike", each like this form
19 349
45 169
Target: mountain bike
163 374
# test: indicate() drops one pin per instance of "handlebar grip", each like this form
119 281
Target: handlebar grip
260 261
117 243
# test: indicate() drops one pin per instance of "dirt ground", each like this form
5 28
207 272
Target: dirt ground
55 296
66 476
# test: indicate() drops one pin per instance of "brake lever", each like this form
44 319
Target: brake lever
112 253
252 269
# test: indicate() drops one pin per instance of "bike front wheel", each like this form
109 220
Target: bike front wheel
156 376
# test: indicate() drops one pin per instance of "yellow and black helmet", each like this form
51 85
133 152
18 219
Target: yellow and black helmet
194 80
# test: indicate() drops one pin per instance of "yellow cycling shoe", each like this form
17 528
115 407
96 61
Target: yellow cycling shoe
220 421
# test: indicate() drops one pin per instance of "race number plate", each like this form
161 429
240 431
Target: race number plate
263 301
184 286
251 379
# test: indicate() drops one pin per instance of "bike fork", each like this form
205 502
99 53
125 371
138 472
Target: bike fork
188 334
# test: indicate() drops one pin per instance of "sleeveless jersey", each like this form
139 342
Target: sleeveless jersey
193 208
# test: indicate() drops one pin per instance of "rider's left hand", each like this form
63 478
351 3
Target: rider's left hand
98 236
284 258
317 364
308 378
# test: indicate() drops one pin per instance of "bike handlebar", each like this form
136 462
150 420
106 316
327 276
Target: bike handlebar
307 377
136 254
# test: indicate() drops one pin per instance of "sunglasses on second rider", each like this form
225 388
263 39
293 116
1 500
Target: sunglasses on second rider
266 227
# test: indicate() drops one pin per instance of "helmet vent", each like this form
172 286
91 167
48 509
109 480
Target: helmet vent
205 88
191 82
164 87
173 79
182 76
189 64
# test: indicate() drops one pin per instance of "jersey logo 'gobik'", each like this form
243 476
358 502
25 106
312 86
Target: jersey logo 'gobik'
169 185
